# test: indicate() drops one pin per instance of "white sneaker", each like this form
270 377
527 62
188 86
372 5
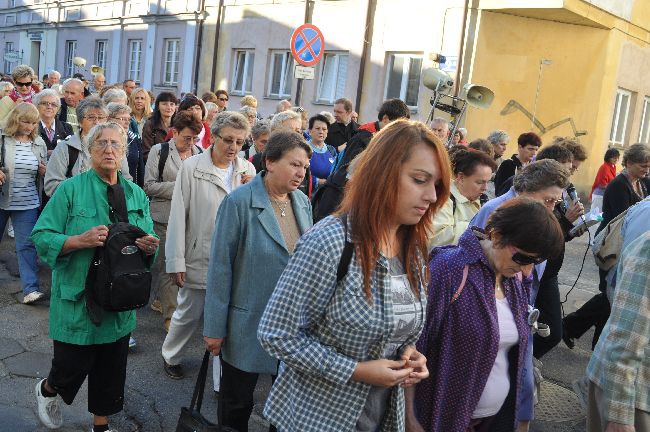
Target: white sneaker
10 230
132 342
49 408
33 297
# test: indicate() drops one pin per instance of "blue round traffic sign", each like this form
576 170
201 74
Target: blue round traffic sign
307 45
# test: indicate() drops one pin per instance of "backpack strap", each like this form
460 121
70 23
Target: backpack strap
164 154
346 256
2 152
73 155
462 284
453 204
117 203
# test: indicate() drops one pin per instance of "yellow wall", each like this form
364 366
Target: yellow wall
581 83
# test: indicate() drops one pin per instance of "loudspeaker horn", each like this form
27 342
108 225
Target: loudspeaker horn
79 61
96 70
478 96
437 80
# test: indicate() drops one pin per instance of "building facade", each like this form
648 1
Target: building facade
153 43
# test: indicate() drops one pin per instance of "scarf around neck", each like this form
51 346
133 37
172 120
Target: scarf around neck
14 95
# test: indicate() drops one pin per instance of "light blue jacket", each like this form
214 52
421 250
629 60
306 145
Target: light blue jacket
247 257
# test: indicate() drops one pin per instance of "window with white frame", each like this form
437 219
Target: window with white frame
281 69
172 60
403 78
621 116
70 53
135 59
8 66
334 72
12 3
644 132
100 53
242 75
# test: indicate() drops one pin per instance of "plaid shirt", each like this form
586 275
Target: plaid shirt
620 364
320 330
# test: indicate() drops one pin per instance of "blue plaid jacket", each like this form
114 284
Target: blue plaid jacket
320 330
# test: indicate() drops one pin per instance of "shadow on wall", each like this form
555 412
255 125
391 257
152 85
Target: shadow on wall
513 106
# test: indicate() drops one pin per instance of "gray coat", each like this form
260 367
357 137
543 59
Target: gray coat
40 151
247 258
57 166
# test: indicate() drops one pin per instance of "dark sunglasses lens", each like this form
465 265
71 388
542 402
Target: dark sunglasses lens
524 260
23 84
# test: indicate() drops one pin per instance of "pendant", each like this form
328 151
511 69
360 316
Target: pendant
282 213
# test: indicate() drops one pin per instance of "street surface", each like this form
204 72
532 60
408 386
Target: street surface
153 401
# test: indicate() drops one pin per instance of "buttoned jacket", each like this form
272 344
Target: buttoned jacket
9 143
321 329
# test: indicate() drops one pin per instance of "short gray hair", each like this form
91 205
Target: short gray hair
5 84
247 110
115 108
113 94
541 175
261 127
210 106
498 136
279 118
281 105
97 130
440 120
54 72
36 100
89 103
229 119
22 71
636 153
329 116
67 83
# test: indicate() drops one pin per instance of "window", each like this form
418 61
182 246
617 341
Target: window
72 14
242 75
621 113
8 66
644 132
281 68
70 53
12 3
334 72
10 19
100 53
135 59
404 78
172 59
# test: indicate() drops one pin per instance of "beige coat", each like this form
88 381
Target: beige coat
160 192
198 192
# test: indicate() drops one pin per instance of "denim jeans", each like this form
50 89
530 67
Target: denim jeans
23 222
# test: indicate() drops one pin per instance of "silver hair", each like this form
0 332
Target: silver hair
329 116
22 71
247 110
114 94
115 108
45 93
498 136
279 118
440 120
71 81
281 105
5 84
229 119
210 106
541 175
97 130
261 127
636 153
54 72
90 103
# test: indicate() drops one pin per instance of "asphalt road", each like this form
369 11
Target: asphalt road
153 401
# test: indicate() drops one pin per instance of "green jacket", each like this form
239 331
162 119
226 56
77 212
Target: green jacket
79 204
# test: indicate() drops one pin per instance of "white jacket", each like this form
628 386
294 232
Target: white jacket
198 192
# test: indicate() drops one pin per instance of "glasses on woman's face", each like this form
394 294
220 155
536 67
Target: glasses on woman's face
524 260
223 99
189 139
103 144
121 119
230 141
24 84
96 119
48 104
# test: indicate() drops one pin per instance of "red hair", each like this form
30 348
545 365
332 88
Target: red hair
370 197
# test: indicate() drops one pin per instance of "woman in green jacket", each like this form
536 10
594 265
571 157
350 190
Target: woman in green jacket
72 225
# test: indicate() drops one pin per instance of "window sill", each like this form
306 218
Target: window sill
275 97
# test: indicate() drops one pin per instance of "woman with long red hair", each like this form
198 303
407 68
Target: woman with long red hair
346 312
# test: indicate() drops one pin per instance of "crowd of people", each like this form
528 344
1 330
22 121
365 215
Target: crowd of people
387 275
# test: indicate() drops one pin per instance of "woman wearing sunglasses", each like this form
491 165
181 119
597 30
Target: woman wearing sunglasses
24 90
477 327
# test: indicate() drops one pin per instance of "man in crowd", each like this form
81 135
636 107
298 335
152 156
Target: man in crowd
98 83
54 77
128 86
73 93
340 132
282 106
440 128
222 100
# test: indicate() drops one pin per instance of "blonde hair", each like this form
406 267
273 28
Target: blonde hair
23 111
22 71
146 113
248 100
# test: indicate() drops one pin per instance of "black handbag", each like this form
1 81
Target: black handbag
191 419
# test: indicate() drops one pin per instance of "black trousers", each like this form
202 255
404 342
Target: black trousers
594 313
103 364
237 388
550 313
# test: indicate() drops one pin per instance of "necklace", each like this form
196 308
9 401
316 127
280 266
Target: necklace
281 207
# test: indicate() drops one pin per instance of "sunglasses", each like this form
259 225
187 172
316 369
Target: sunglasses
24 84
524 260
223 99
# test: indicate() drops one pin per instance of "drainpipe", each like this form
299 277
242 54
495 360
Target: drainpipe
215 55
199 45
367 38
462 50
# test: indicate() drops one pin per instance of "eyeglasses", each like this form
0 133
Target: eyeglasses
122 119
230 141
190 139
552 201
24 84
96 118
48 104
223 99
104 144
524 260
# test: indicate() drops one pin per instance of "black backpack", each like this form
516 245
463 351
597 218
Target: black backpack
164 154
329 195
118 279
